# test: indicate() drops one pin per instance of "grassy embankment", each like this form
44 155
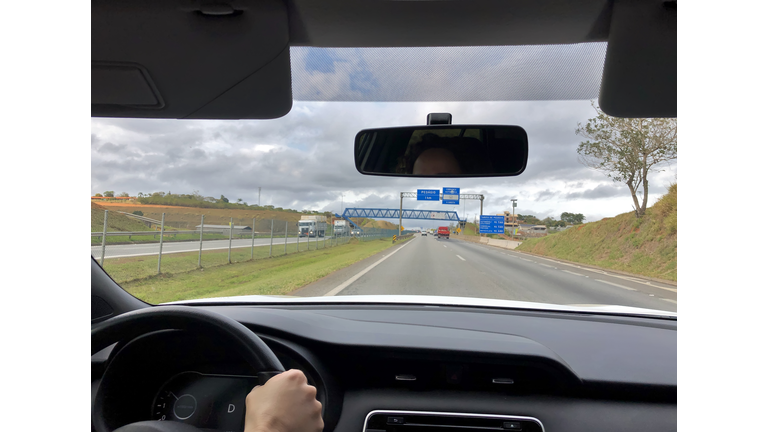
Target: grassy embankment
184 218
646 246
276 276
373 223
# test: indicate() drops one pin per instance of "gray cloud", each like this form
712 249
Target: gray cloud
602 191
304 159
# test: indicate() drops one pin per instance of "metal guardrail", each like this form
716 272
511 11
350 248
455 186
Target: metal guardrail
140 233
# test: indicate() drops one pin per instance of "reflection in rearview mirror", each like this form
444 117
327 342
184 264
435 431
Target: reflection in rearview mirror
442 151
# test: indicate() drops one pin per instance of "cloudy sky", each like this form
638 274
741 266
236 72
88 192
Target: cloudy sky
304 160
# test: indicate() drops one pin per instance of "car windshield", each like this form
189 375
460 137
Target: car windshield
231 210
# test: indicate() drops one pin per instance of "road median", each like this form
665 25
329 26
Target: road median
277 276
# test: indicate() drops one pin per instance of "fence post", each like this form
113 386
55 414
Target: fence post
253 236
307 241
162 231
200 255
229 250
297 239
104 238
285 251
317 236
271 236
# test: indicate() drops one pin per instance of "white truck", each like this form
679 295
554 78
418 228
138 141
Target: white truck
312 226
340 227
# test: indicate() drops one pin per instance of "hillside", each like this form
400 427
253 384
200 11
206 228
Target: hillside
646 246
189 217
471 229
115 221
373 223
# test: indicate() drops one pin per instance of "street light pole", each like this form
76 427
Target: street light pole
514 204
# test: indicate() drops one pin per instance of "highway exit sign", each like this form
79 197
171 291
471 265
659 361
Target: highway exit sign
428 194
451 196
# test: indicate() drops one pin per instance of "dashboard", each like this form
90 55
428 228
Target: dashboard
405 368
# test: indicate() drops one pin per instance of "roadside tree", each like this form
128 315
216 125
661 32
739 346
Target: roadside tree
628 149
572 218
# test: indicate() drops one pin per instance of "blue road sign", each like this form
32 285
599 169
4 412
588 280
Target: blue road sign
428 194
491 224
451 196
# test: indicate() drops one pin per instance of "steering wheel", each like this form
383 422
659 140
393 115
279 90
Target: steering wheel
133 324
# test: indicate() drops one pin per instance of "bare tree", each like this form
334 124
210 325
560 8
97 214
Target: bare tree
627 149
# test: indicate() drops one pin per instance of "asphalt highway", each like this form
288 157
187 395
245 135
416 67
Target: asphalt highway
428 266
129 250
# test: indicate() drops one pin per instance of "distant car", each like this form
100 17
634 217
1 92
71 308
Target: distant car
423 233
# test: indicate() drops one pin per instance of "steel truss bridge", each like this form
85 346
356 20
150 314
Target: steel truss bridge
401 213
383 213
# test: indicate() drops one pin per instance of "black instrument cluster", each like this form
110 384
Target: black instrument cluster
205 401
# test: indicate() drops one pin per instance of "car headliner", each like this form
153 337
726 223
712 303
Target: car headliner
194 59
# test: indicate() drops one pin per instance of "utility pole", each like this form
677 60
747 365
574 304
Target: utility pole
400 226
514 220
514 204
342 203
259 197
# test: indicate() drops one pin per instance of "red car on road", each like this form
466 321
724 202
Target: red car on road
443 232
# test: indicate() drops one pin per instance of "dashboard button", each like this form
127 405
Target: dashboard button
453 374
513 425
395 420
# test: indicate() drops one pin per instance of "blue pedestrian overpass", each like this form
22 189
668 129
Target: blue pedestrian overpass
383 213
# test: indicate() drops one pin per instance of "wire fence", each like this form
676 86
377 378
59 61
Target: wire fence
130 249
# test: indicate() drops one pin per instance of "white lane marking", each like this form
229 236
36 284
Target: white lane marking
616 285
661 287
445 246
670 300
349 281
618 276
547 265
525 259
460 257
573 273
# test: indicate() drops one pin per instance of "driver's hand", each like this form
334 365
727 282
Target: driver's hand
286 403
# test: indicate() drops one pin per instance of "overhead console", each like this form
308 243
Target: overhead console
424 421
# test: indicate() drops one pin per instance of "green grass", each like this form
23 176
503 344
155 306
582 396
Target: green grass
470 229
646 246
129 269
276 276
115 221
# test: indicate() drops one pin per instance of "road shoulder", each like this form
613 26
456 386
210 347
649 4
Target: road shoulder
578 264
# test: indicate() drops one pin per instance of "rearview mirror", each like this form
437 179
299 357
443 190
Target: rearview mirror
442 151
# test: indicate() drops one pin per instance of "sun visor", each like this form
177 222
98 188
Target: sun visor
182 59
640 72
123 84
